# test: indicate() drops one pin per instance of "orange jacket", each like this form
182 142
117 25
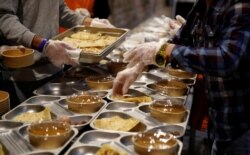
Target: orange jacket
74 4
87 4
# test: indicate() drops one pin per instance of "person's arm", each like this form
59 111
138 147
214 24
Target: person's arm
11 28
69 18
230 49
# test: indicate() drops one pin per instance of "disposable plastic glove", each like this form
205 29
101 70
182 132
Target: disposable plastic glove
175 25
60 53
103 23
180 19
144 53
125 78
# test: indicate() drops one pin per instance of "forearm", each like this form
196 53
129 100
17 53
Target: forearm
11 28
69 18
37 42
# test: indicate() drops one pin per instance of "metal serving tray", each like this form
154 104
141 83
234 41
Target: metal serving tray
140 112
67 89
131 92
93 57
90 141
22 108
8 125
58 107
163 73
55 89
16 142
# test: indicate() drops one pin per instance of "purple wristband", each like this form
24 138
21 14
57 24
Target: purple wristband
41 46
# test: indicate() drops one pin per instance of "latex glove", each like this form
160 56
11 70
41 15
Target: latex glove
125 78
103 23
144 53
61 53
83 12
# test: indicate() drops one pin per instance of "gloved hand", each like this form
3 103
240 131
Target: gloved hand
175 25
83 12
103 23
125 78
144 53
61 53
180 19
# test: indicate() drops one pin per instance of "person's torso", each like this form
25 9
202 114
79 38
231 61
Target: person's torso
228 96
40 16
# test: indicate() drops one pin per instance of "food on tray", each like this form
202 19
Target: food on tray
1 149
84 35
135 99
116 123
90 42
31 117
107 149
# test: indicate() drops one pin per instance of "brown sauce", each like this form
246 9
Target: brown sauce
168 108
158 140
48 130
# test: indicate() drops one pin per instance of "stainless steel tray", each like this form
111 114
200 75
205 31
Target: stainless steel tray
90 141
163 73
131 92
140 112
8 125
16 142
23 108
58 107
55 89
95 58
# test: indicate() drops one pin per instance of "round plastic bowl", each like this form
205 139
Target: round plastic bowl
100 82
18 58
84 103
155 143
168 111
49 135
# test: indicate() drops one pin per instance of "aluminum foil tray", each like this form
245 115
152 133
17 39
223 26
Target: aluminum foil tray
93 57
90 141
16 141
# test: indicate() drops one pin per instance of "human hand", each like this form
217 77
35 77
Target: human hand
125 78
144 53
61 53
103 23
175 25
